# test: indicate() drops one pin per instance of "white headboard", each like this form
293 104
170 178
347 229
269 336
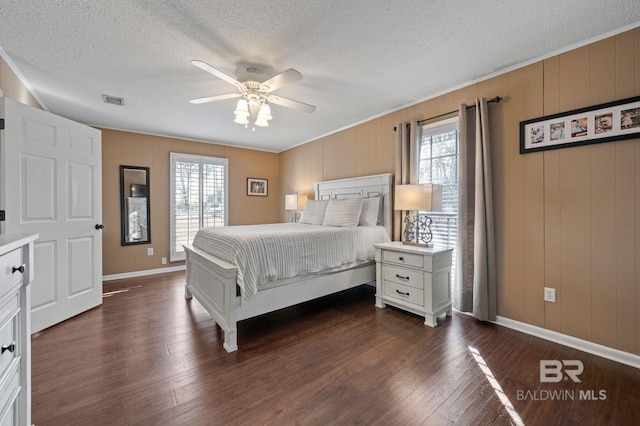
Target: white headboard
364 186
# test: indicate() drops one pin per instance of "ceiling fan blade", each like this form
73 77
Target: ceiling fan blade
211 70
290 103
285 77
215 98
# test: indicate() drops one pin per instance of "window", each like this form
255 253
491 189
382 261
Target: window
438 163
198 197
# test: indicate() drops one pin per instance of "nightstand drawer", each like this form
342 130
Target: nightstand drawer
404 276
401 258
404 292
8 277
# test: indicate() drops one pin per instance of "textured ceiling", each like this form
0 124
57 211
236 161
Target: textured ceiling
359 59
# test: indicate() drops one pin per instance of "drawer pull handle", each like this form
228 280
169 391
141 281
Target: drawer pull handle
20 268
402 293
10 348
401 277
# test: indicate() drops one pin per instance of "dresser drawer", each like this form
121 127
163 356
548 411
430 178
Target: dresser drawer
404 276
8 342
9 397
9 309
404 292
9 278
11 416
402 258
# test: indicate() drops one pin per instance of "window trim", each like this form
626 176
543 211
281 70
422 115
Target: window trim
175 256
437 127
446 125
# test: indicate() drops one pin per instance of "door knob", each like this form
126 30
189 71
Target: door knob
99 226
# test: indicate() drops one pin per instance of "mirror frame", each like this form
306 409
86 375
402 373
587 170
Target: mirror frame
123 206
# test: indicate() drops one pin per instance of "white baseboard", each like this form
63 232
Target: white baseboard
572 342
142 273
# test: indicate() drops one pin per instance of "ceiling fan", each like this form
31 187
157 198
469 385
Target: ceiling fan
255 94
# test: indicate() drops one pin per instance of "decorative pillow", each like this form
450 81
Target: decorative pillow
344 213
313 213
369 216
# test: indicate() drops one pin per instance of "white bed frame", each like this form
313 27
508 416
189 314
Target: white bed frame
212 281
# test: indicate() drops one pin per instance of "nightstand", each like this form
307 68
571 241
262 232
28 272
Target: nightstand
415 279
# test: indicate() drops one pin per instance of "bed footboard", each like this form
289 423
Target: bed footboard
213 283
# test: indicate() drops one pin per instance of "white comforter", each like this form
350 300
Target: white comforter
265 253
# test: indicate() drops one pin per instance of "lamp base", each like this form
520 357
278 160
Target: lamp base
295 217
417 230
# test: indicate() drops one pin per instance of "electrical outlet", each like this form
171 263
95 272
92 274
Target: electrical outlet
164 260
550 295
150 251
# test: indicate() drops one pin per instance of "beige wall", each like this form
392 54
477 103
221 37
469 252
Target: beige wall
133 149
567 219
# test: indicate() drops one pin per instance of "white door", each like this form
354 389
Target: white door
51 184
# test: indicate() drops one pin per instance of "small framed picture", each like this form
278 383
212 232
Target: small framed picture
257 187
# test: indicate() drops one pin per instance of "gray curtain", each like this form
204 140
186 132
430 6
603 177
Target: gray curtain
407 136
475 287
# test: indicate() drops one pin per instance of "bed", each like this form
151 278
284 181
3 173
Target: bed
221 283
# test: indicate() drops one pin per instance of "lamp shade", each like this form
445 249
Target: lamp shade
265 112
291 201
241 119
295 201
261 122
425 196
242 108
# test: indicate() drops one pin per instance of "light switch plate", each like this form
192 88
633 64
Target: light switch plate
550 295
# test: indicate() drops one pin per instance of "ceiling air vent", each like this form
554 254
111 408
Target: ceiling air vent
113 100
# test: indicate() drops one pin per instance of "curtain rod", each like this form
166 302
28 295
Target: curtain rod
496 100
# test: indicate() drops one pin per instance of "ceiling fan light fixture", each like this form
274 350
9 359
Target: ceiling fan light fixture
265 112
241 119
261 122
242 109
255 94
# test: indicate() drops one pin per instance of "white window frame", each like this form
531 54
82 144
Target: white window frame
201 159
444 126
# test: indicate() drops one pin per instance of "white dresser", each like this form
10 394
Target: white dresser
415 279
16 266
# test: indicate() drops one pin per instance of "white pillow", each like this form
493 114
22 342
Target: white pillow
369 216
313 213
344 213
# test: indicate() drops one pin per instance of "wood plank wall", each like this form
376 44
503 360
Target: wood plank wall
567 219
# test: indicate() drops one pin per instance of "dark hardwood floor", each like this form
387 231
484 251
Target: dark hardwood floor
147 356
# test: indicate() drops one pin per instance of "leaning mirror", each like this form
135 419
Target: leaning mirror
134 205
